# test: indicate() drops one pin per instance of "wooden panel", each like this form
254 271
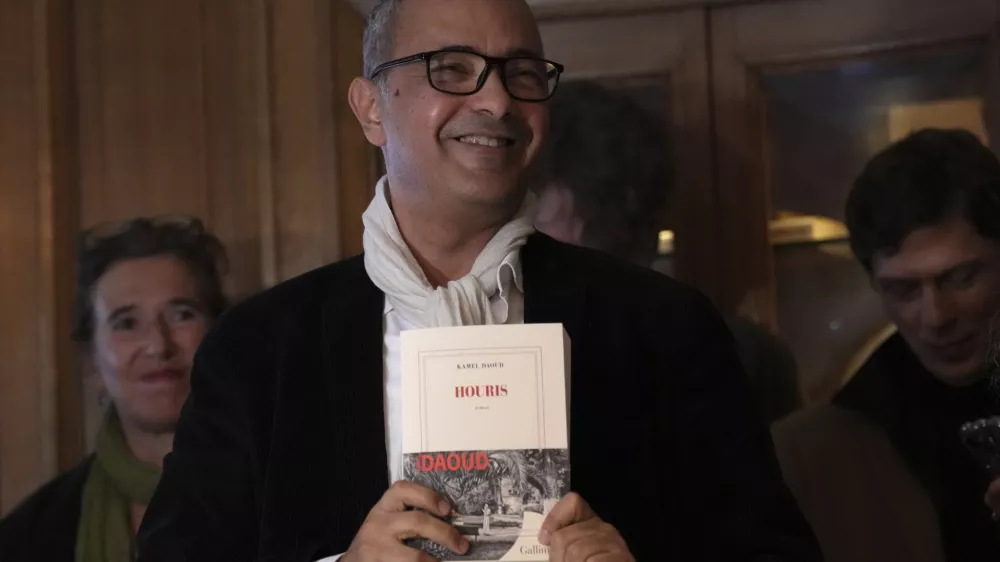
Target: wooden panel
798 31
142 104
305 177
237 130
37 183
672 47
564 8
992 72
545 9
356 174
745 40
60 210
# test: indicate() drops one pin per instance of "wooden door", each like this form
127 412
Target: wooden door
804 93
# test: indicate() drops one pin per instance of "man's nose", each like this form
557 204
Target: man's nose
935 309
160 339
493 97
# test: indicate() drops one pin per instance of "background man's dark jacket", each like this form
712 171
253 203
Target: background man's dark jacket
881 472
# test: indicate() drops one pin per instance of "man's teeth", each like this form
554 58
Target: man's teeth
485 141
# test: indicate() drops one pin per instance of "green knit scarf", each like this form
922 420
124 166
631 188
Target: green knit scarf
116 481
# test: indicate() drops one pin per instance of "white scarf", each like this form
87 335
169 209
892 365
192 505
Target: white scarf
395 271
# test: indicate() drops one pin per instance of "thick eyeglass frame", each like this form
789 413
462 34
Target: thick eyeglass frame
491 63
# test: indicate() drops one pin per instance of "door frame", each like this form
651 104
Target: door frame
746 39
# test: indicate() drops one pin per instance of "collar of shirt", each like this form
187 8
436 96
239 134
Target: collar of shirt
508 273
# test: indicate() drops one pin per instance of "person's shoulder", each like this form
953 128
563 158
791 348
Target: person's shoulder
63 491
270 312
825 425
605 273
54 507
306 289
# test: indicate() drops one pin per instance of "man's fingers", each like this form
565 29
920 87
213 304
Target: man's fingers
569 542
405 494
993 492
992 497
568 535
585 548
417 524
571 509
606 557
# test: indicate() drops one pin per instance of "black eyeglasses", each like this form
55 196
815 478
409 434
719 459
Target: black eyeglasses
463 73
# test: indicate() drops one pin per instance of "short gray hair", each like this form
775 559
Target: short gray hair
378 40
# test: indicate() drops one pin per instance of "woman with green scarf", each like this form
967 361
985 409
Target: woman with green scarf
147 292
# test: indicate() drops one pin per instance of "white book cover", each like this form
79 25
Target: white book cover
485 424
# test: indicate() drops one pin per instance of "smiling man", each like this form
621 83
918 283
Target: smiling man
289 448
881 473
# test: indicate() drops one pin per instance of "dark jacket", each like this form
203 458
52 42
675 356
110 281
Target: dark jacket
771 368
43 527
280 450
881 473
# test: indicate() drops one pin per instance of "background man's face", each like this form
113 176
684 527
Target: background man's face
429 140
556 215
942 290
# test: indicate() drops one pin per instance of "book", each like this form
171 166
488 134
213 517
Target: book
485 424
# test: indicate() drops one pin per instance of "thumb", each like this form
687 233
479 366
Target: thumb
992 497
569 511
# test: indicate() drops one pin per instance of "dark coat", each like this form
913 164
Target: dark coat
280 450
881 473
43 527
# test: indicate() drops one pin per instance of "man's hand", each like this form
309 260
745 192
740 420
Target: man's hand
390 522
574 533
992 498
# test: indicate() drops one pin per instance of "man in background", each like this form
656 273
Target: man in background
608 187
881 472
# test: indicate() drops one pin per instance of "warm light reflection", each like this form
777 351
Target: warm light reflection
665 244
961 113
788 228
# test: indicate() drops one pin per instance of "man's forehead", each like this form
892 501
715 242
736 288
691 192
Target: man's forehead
493 27
926 266
928 253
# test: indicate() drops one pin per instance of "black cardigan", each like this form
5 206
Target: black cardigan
43 527
280 450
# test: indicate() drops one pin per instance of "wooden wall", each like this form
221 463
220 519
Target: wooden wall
232 110
36 220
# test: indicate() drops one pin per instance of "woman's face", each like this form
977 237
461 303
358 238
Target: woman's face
148 322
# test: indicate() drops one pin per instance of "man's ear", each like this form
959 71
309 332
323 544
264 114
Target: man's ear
364 98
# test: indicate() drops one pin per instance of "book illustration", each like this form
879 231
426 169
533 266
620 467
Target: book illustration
500 498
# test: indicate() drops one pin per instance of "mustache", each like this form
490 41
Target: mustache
512 129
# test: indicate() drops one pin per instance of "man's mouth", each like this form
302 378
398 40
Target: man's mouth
482 140
955 349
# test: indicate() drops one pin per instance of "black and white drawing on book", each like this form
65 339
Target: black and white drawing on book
500 498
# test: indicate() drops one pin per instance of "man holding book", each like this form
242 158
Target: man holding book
292 436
